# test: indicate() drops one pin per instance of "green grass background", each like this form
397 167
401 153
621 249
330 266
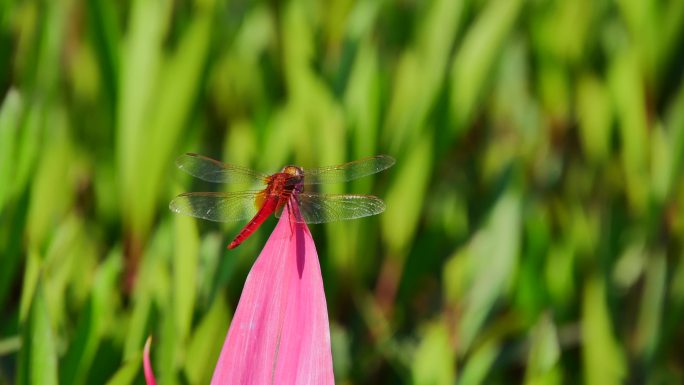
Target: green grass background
533 231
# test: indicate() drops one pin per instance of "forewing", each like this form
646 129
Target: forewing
321 208
348 171
217 206
212 170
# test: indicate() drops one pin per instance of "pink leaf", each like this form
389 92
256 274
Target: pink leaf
280 332
147 366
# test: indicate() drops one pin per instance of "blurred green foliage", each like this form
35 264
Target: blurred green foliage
533 232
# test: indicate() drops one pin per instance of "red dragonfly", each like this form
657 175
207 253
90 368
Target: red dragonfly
281 187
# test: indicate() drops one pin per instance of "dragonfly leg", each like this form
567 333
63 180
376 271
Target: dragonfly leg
290 213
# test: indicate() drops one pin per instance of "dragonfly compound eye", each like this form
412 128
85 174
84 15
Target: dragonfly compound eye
293 170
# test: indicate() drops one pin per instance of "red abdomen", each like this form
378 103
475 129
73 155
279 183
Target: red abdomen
269 206
274 192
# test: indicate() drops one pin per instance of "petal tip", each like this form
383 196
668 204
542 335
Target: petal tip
147 366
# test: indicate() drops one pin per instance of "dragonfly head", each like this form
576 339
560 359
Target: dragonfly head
296 175
293 170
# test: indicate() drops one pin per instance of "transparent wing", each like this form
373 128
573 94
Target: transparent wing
217 206
214 171
321 208
348 171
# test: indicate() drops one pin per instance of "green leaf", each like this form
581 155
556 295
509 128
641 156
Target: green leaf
186 256
51 188
479 364
420 73
140 66
176 95
559 274
628 94
38 361
10 121
435 360
406 195
127 373
340 344
91 327
31 278
493 254
102 18
167 357
362 101
596 118
152 286
630 266
455 274
206 342
68 259
604 362
544 355
32 132
652 303
674 122
474 61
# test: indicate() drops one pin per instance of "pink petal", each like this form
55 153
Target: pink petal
147 366
280 332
